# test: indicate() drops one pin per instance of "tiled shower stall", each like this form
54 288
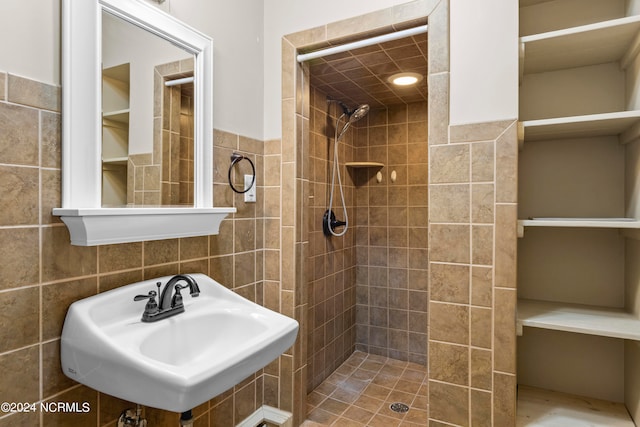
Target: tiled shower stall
460 247
367 289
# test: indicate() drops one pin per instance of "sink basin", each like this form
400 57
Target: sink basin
175 363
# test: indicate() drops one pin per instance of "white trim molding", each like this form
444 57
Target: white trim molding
268 414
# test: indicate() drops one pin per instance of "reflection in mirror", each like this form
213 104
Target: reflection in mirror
147 118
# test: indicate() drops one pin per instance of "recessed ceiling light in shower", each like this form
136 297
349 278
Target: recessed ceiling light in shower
405 79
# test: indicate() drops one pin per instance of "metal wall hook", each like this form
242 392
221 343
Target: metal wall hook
236 158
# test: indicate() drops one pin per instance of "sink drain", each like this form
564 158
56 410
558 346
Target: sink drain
398 407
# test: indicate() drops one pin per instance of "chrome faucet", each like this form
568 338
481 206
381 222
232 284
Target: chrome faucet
168 304
165 297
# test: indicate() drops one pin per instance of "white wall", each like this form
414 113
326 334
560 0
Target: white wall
30 34
236 28
484 60
484 53
123 43
247 35
282 17
30 47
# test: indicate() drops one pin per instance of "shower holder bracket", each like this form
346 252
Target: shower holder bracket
329 223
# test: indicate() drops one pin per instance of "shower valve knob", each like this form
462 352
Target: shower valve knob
329 223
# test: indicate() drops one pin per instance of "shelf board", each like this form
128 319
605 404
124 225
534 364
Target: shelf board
107 226
364 164
582 319
118 72
621 223
117 118
545 408
116 160
604 124
591 44
525 3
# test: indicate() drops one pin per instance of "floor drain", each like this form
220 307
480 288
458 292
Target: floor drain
401 408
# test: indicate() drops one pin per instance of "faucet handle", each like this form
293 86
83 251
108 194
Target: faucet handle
151 295
177 297
151 308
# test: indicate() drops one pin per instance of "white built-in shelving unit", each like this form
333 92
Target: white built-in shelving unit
579 207
115 134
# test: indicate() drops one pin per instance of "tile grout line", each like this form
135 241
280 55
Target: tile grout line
385 363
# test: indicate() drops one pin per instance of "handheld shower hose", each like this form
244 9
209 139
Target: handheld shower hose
329 221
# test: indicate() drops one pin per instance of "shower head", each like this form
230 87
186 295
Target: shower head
354 116
358 113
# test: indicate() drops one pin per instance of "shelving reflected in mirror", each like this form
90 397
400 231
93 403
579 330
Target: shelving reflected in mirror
147 118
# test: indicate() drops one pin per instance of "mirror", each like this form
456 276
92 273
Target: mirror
147 118
137 96
138 206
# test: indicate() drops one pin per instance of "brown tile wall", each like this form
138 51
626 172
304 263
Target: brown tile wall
391 233
145 176
473 205
331 261
42 273
185 177
176 139
177 149
290 204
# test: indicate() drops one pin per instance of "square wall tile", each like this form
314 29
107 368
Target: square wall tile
450 243
449 203
449 403
19 139
21 251
449 283
21 310
449 363
449 323
453 164
21 375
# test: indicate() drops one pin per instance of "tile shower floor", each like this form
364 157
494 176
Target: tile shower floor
361 391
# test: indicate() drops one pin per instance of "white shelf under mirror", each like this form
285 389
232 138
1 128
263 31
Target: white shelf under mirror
104 226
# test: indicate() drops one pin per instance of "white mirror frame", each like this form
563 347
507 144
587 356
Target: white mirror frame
88 222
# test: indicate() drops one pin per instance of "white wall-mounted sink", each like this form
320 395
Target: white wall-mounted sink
175 363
